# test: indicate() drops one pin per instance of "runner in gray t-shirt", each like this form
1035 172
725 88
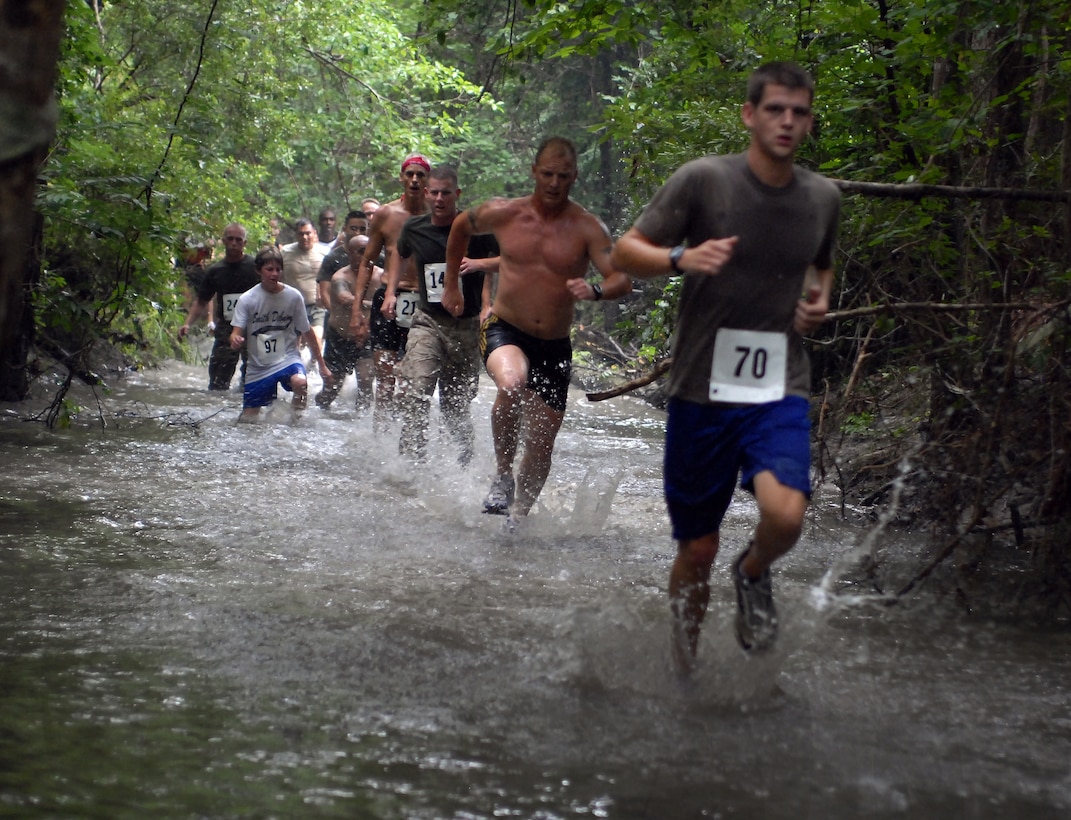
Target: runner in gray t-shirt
745 231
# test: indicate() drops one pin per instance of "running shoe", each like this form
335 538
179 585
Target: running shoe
756 616
500 496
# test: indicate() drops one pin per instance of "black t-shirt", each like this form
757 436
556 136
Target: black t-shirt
336 260
426 242
226 281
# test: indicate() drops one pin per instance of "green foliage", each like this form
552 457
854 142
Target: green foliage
177 118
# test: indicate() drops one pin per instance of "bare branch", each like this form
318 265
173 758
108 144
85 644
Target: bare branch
942 307
918 191
182 105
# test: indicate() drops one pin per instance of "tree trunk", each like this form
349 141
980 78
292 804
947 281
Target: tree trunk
30 34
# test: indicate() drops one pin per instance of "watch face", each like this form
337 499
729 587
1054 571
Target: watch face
675 257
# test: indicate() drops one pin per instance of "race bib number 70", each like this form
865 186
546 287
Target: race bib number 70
749 366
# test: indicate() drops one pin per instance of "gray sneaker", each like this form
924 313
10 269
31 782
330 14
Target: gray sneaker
756 616
500 496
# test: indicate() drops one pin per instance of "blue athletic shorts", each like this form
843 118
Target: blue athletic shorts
261 393
708 445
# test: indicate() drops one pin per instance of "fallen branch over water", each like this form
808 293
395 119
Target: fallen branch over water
634 384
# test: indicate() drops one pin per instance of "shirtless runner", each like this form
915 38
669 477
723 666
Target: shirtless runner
388 334
547 243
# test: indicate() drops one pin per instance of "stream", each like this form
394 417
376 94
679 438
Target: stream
206 620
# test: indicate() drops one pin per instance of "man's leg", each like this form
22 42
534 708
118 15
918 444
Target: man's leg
781 511
300 385
417 373
221 364
365 379
542 424
334 358
689 594
458 384
508 367
384 371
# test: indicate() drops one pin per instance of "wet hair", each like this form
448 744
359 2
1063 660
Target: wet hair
446 172
558 145
787 74
267 254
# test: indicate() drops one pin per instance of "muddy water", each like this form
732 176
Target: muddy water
206 620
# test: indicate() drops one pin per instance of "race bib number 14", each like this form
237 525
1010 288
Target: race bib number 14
749 366
434 277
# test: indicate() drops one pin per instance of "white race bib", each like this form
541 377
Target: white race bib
230 300
749 366
405 308
434 278
270 348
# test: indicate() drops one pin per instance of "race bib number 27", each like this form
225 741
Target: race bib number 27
749 366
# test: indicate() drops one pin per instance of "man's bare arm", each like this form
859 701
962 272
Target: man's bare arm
342 291
457 244
376 243
198 307
615 284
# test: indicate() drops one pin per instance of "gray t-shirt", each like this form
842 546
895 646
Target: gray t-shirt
782 232
273 322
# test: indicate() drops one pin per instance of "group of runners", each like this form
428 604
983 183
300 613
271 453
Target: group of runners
752 234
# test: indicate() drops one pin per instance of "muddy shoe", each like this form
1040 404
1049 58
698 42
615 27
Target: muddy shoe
756 616
500 496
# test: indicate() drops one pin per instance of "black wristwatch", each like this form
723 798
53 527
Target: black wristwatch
597 289
675 258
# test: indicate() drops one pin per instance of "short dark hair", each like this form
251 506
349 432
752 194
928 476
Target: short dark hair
355 215
444 171
783 73
301 222
267 254
562 144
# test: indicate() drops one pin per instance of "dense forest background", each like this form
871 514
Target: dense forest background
947 122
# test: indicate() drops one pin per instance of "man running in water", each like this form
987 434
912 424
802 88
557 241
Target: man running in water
743 230
547 243
388 335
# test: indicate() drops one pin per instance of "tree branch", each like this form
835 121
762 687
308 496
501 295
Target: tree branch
942 307
634 384
182 106
918 191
